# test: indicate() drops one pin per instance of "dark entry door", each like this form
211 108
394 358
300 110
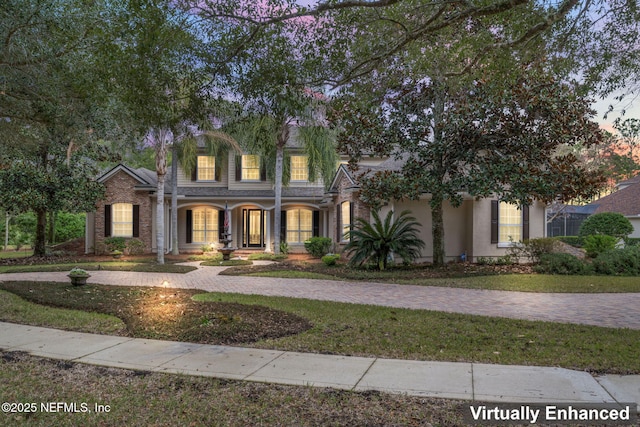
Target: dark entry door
253 228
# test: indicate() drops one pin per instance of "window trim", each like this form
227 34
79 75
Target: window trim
243 168
342 225
199 169
304 168
129 223
208 232
495 224
298 230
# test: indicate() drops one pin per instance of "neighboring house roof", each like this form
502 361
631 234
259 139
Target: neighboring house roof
628 182
625 201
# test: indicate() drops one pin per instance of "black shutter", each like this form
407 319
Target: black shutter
216 170
316 224
136 220
238 168
189 226
194 171
525 222
494 221
283 226
221 224
107 220
263 170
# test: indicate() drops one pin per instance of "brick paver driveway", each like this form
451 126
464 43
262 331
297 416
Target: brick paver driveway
611 310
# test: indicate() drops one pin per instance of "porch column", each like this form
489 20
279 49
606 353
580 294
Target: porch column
267 231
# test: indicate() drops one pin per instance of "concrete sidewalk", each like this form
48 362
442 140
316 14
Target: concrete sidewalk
466 381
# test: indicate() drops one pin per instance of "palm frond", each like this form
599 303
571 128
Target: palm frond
374 242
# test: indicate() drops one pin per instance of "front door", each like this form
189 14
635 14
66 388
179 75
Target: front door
253 228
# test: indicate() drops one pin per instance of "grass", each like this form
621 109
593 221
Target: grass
147 267
15 254
17 310
144 398
347 329
455 276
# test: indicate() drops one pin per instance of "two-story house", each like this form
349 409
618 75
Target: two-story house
478 228
239 186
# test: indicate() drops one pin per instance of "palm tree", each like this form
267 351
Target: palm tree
374 242
267 134
184 140
184 152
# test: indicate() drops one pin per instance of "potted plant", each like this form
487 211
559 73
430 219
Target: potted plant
78 276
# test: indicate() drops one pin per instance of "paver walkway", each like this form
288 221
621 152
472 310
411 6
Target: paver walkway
609 310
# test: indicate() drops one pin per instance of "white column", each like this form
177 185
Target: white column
267 231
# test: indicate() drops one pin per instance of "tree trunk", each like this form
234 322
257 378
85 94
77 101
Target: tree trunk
6 230
160 219
282 141
52 228
160 137
41 231
174 201
437 198
437 230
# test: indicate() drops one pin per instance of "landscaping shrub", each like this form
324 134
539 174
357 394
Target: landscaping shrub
374 242
618 262
632 241
598 243
330 259
575 241
115 244
136 247
532 249
535 248
267 257
69 226
284 248
318 246
609 223
561 263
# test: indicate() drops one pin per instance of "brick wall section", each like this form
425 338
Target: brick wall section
360 210
120 188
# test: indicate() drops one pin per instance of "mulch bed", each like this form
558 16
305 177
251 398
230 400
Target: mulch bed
167 314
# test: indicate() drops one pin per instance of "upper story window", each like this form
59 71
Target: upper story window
509 223
206 169
122 220
250 167
299 168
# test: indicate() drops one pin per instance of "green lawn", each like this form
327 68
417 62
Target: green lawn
504 282
148 267
15 254
331 328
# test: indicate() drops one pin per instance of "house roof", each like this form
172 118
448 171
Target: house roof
390 164
144 177
625 201
287 192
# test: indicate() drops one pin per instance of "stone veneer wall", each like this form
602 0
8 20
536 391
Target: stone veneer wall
120 188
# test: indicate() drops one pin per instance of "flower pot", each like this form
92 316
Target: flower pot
78 280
